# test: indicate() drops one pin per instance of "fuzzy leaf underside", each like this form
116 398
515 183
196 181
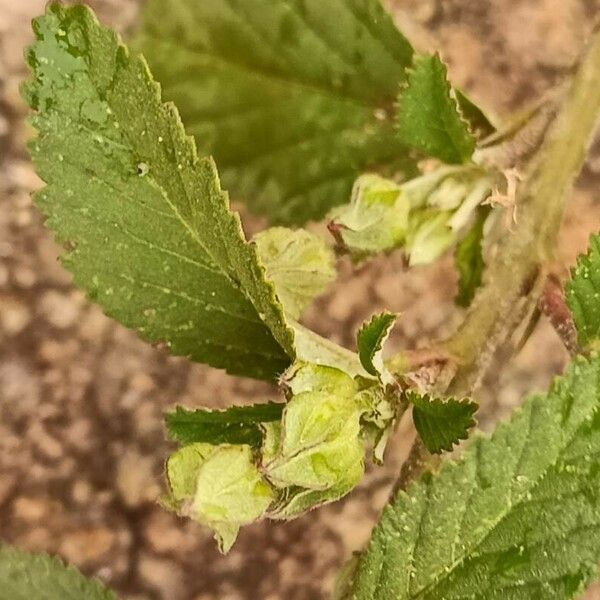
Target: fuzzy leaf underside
25 576
235 425
469 260
147 229
583 295
429 117
516 518
442 423
293 98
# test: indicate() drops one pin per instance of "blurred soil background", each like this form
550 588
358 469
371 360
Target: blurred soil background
81 398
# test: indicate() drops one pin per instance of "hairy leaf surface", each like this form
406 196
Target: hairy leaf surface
583 295
25 576
516 518
442 423
428 114
235 425
148 230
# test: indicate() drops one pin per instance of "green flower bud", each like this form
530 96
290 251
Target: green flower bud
218 486
299 264
320 438
376 220
425 215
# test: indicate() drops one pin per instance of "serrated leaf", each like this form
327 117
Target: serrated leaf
148 229
293 99
234 425
442 423
428 115
371 339
517 517
469 260
583 295
477 118
25 576
299 264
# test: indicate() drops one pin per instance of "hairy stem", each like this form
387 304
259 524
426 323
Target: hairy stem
515 277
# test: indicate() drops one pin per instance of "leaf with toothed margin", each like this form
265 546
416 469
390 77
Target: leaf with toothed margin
234 425
442 423
583 295
148 229
293 98
516 517
25 576
429 116
371 339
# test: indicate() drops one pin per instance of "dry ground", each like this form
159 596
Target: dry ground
81 436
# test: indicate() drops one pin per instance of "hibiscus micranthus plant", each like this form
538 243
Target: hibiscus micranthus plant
322 111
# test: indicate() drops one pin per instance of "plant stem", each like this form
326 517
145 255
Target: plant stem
516 275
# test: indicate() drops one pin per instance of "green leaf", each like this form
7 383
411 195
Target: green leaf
299 264
469 260
293 99
235 425
148 230
517 517
371 339
25 576
442 423
478 120
583 295
428 115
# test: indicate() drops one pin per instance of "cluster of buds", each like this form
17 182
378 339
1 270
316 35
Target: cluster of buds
314 455
424 216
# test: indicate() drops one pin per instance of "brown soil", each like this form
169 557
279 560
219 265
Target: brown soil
81 398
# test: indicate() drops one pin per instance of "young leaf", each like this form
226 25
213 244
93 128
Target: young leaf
293 99
299 264
25 576
515 518
442 423
235 425
469 260
583 295
480 123
371 338
148 230
429 118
